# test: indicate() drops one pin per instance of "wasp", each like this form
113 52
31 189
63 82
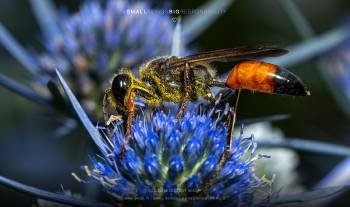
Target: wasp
184 79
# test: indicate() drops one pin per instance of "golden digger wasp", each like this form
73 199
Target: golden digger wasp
184 79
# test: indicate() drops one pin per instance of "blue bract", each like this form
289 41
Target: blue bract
170 159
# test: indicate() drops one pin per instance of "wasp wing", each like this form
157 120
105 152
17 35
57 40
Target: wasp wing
231 54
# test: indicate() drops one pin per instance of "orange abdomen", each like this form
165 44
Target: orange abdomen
265 77
253 75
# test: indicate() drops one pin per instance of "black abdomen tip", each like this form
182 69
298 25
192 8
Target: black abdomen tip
289 84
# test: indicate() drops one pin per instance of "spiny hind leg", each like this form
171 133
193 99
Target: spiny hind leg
188 90
231 123
225 155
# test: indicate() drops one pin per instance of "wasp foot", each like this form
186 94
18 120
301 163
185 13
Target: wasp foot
113 118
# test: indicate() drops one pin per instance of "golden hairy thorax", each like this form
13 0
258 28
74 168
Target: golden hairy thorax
168 83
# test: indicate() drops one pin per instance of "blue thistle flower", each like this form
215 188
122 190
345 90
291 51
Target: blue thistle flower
234 183
98 40
173 159
107 36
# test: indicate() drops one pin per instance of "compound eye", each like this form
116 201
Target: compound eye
120 86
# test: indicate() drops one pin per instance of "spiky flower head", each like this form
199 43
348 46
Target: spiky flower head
102 37
171 159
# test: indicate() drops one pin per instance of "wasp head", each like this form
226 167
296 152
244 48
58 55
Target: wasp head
121 86
124 87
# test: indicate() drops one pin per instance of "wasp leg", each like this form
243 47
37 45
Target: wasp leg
231 127
231 124
109 113
188 90
113 118
129 122
128 136
130 117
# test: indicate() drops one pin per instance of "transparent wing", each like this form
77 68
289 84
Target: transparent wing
230 54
